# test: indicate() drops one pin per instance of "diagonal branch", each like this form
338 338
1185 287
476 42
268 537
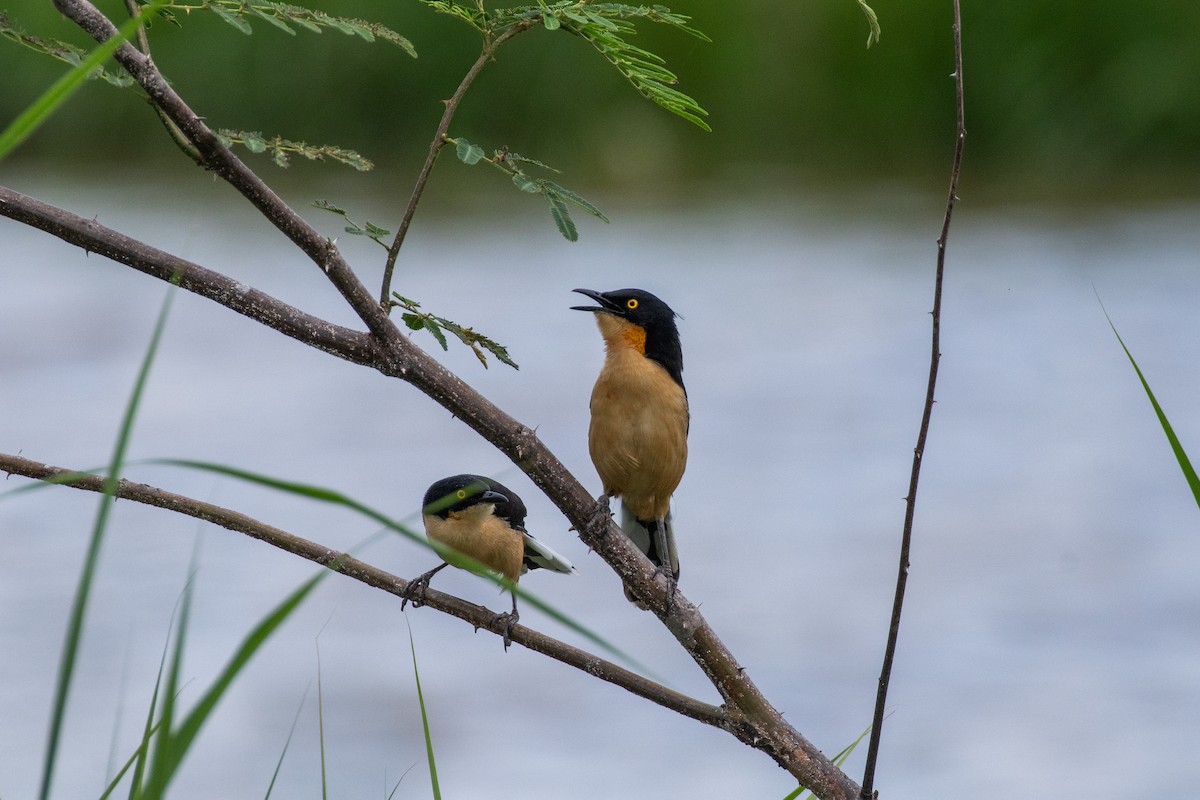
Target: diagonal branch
257 305
919 452
477 616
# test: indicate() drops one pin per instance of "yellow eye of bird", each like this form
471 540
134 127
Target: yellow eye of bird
631 303
462 494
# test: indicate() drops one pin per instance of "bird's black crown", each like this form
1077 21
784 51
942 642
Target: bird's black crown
460 492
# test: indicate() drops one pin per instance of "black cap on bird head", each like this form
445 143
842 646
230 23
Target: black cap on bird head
639 307
636 305
460 492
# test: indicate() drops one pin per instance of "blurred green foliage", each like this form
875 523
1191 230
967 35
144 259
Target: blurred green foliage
1062 97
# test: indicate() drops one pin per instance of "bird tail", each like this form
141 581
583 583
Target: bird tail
642 534
540 555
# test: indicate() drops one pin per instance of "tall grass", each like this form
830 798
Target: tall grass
83 589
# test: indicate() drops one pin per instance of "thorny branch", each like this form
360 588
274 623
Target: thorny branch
751 718
889 654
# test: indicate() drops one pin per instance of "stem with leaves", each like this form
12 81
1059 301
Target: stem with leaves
490 46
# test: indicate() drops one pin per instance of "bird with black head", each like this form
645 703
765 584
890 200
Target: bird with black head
640 418
485 520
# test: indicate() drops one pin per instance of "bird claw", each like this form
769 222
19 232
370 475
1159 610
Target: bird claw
415 590
603 512
508 620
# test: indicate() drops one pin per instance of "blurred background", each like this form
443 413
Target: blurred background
1051 634
1073 99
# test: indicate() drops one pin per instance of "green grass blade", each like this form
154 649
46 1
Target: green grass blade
164 742
61 90
66 667
182 739
839 759
1185 465
458 559
118 716
287 743
321 728
134 757
433 779
149 729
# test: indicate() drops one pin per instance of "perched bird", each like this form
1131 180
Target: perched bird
484 519
639 428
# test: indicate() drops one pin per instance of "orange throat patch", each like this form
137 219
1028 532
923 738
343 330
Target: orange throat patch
635 335
621 333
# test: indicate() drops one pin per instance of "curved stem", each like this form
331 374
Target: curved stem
439 140
919 452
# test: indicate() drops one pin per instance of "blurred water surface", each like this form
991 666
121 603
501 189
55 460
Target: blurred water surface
1050 639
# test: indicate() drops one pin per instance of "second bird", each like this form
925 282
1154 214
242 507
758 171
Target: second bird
484 519
639 427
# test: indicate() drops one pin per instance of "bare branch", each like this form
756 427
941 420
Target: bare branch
919 452
477 616
93 237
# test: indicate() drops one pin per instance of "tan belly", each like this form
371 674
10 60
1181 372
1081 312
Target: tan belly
638 434
484 537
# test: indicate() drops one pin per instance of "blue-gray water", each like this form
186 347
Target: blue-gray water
1051 642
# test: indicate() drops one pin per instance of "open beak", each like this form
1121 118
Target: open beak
605 305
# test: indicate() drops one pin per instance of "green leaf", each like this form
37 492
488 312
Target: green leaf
325 205
872 21
416 322
567 194
254 142
1185 464
232 18
274 20
468 153
526 183
562 216
287 743
606 25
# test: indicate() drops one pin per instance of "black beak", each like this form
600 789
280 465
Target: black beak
492 497
605 305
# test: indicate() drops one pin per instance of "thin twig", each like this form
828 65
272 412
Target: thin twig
478 616
918 453
439 140
143 44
